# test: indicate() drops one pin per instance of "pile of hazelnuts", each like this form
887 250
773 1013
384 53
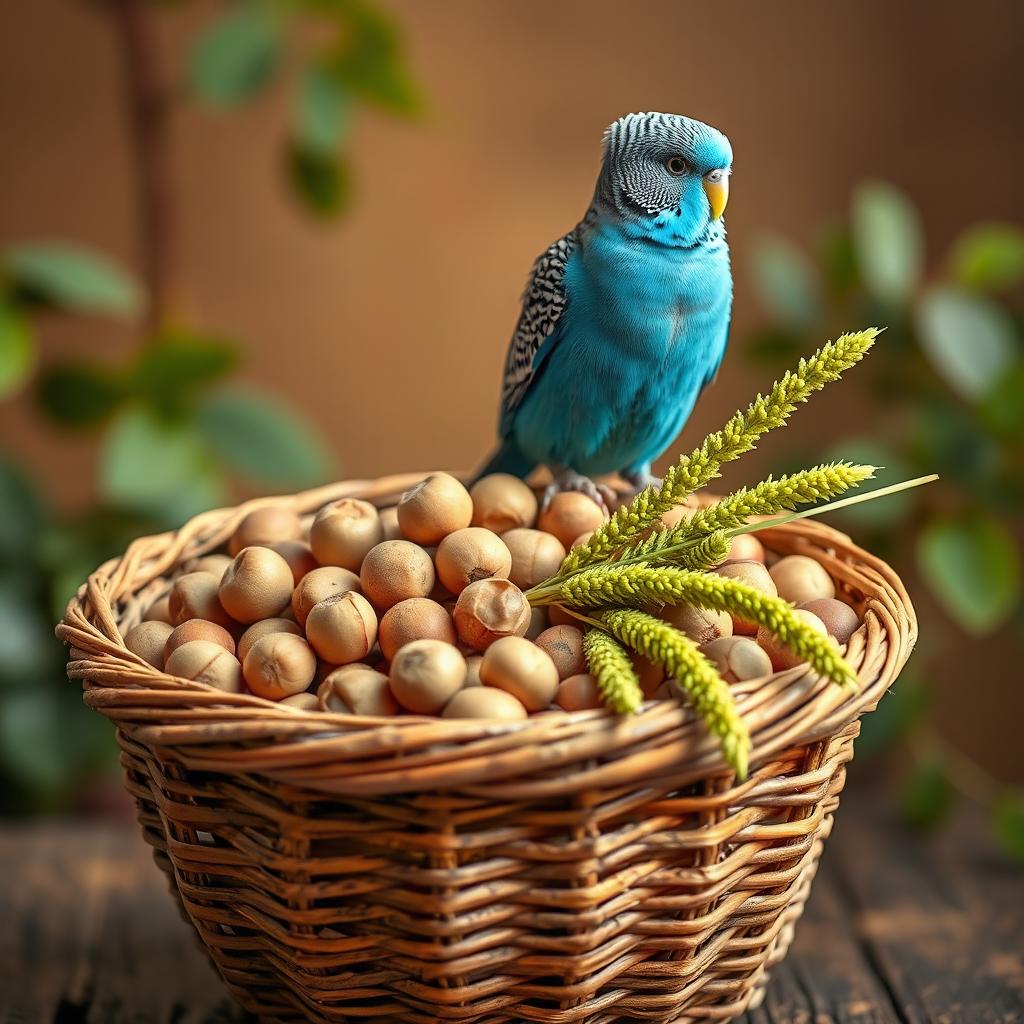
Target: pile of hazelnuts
421 608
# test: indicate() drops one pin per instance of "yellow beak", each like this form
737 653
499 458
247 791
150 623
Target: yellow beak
717 192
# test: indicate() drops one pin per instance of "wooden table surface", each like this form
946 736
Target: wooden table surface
898 931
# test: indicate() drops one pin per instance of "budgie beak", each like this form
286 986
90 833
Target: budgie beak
716 188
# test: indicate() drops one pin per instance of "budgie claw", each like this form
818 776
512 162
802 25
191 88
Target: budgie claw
568 480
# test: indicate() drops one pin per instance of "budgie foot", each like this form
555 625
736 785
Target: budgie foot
638 479
570 480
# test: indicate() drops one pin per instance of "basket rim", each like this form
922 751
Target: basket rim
207 729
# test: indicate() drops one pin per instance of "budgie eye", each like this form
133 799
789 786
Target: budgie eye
677 166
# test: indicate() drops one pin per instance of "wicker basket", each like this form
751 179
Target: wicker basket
569 868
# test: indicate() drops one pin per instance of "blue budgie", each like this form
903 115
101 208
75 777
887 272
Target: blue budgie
624 319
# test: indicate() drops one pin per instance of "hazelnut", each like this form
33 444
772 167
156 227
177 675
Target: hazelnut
279 665
564 646
395 570
578 693
746 546
471 554
738 658
198 629
357 690
490 609
300 702
426 674
214 564
801 579
560 616
264 628
206 662
434 508
650 674
535 556
319 585
583 538
389 523
569 514
147 640
342 629
519 667
473 663
344 531
265 527
840 619
701 625
781 656
298 555
159 611
257 585
484 702
196 596
502 502
416 618
753 574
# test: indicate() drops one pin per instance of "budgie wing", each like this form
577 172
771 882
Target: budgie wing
543 305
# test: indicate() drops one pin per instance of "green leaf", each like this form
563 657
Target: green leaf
74 278
23 515
989 257
894 718
1008 823
79 394
263 440
1003 407
928 796
968 339
838 259
785 282
322 111
236 56
888 241
321 181
972 567
173 368
892 467
17 351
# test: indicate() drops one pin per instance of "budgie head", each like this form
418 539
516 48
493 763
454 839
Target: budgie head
667 177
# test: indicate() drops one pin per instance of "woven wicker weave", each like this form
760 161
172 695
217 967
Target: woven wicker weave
569 868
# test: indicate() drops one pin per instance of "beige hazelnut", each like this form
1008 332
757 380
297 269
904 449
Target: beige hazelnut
781 656
395 570
206 662
214 564
578 693
279 665
358 690
416 618
198 629
257 585
196 596
426 674
519 667
801 579
502 502
147 640
342 629
701 625
535 556
564 646
753 574
490 609
471 554
840 619
298 555
159 610
434 508
264 628
264 527
301 702
569 514
344 531
320 584
746 546
389 523
484 702
738 658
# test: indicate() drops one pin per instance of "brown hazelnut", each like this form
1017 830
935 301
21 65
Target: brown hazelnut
801 579
781 656
578 693
490 609
344 531
357 690
569 514
746 546
583 538
206 662
416 618
701 625
319 585
198 629
159 610
257 585
753 574
264 628
395 570
342 629
300 702
264 527
738 658
519 667
434 508
502 502
298 555
564 646
426 674
196 596
147 640
484 702
840 619
472 554
279 665
214 564
535 556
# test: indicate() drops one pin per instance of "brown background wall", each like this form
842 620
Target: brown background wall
390 329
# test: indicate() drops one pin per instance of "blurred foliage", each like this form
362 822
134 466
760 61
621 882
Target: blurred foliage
175 434
946 396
